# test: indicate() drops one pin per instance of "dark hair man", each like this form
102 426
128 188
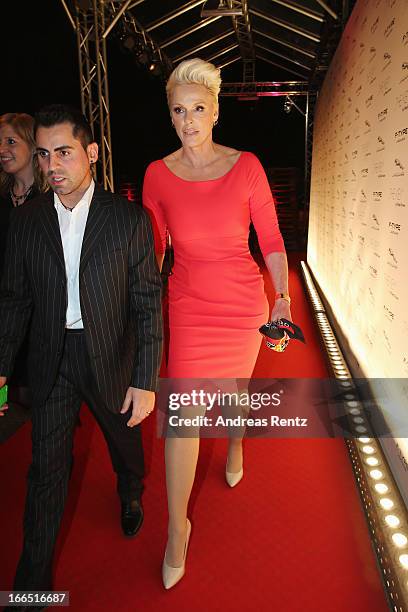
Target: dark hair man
81 260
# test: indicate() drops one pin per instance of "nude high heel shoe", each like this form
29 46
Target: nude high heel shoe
172 575
233 478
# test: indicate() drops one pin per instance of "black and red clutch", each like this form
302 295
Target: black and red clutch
278 333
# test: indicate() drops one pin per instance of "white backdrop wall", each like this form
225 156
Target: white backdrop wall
358 226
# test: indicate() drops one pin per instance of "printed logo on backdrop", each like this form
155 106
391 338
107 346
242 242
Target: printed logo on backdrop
392 259
376 21
405 38
395 228
382 115
389 314
402 100
372 54
400 135
373 271
359 261
369 338
366 149
377 196
381 144
392 287
389 28
375 225
387 60
362 213
387 341
375 246
384 87
369 101
404 70
399 168
397 196
363 196
405 364
379 169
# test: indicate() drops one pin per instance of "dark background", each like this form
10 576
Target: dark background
40 66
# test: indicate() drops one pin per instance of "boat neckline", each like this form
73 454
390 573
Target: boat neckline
207 180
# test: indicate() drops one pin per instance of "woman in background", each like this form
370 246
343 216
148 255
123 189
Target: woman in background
20 181
206 195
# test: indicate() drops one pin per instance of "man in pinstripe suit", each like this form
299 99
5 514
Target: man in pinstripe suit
81 260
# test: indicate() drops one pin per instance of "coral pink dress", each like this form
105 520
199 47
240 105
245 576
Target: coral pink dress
216 292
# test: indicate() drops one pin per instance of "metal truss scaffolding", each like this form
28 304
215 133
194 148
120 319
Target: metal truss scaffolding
90 26
93 20
287 89
242 27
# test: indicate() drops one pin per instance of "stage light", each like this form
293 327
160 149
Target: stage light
376 474
364 440
129 42
403 559
399 539
155 69
392 521
369 450
287 105
386 503
372 462
219 8
381 488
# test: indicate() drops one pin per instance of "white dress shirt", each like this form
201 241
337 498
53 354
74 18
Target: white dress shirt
72 228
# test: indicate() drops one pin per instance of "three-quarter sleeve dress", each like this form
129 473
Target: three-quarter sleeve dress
217 300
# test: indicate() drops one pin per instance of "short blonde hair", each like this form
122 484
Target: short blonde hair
195 71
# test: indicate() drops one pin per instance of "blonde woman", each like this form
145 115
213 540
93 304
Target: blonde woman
20 182
206 194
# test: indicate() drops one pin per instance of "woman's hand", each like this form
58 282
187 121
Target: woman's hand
281 310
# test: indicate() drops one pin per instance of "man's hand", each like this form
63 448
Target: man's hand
281 310
143 404
3 381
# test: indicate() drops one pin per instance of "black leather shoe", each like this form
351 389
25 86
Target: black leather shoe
131 517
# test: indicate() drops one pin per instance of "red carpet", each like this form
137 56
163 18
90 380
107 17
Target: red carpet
292 536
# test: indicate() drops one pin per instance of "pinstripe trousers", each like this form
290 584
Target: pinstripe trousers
53 425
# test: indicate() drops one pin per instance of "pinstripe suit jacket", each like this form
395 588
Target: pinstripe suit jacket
120 296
